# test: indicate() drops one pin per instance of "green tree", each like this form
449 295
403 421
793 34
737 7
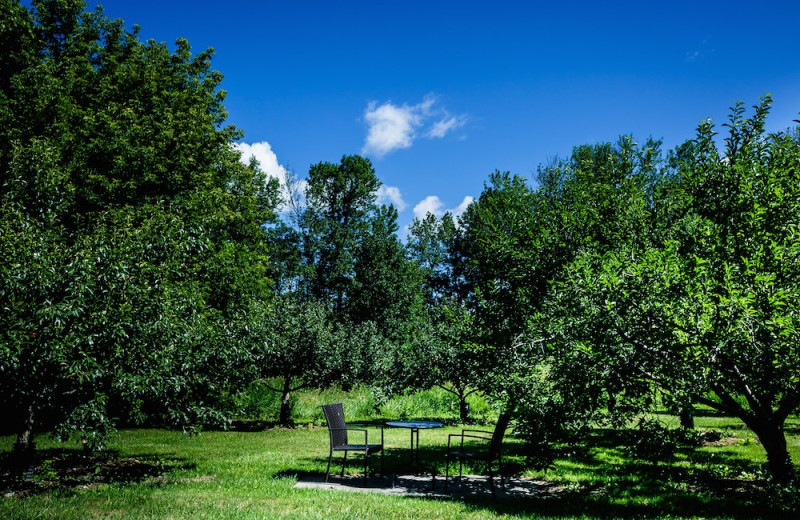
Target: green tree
130 234
340 199
499 245
519 246
299 350
709 314
453 357
386 286
433 245
738 312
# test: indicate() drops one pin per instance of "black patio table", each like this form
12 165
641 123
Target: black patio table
415 427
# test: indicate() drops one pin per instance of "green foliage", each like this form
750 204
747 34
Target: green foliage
652 441
702 305
361 403
433 246
130 235
340 199
386 284
137 259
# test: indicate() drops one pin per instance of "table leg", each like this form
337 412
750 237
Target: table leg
412 445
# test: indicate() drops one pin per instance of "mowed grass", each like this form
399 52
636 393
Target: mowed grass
248 475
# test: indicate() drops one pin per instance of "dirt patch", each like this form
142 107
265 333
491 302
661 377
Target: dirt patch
725 441
204 478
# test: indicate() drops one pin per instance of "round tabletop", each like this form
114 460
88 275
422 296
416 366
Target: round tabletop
419 425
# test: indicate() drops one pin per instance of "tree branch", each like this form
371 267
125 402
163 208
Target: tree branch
269 386
299 387
448 390
787 405
714 404
471 392
740 384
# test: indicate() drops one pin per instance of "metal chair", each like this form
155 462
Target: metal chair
491 452
337 430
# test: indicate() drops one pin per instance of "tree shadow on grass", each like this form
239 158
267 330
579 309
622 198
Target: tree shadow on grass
67 470
712 484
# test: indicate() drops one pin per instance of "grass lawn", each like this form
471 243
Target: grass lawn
164 474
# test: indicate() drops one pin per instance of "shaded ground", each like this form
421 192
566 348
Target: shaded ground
423 486
67 470
524 496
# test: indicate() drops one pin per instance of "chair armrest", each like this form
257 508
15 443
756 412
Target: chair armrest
351 430
477 437
450 438
477 431
463 436
360 430
376 427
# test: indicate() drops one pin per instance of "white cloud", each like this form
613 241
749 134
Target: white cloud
430 204
461 208
266 158
391 194
433 204
392 127
292 194
440 128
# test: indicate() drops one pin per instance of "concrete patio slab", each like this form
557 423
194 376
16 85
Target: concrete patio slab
421 486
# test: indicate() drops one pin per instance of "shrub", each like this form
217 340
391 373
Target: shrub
651 441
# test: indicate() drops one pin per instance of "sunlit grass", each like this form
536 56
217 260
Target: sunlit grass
238 475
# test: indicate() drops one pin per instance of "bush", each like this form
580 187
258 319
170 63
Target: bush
361 403
651 441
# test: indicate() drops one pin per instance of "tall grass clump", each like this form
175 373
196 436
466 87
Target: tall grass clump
362 403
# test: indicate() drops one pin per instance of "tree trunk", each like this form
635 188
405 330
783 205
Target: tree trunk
463 407
286 404
686 415
612 401
779 461
24 460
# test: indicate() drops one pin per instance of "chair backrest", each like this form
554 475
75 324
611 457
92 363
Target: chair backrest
334 414
498 434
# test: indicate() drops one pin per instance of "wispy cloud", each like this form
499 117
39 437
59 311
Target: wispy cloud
434 205
691 56
391 194
394 127
699 52
441 128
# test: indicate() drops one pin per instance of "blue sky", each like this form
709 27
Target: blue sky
440 94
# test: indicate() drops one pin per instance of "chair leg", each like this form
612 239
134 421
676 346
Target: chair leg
328 471
366 467
344 459
446 472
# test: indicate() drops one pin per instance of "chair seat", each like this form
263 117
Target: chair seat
369 448
474 455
